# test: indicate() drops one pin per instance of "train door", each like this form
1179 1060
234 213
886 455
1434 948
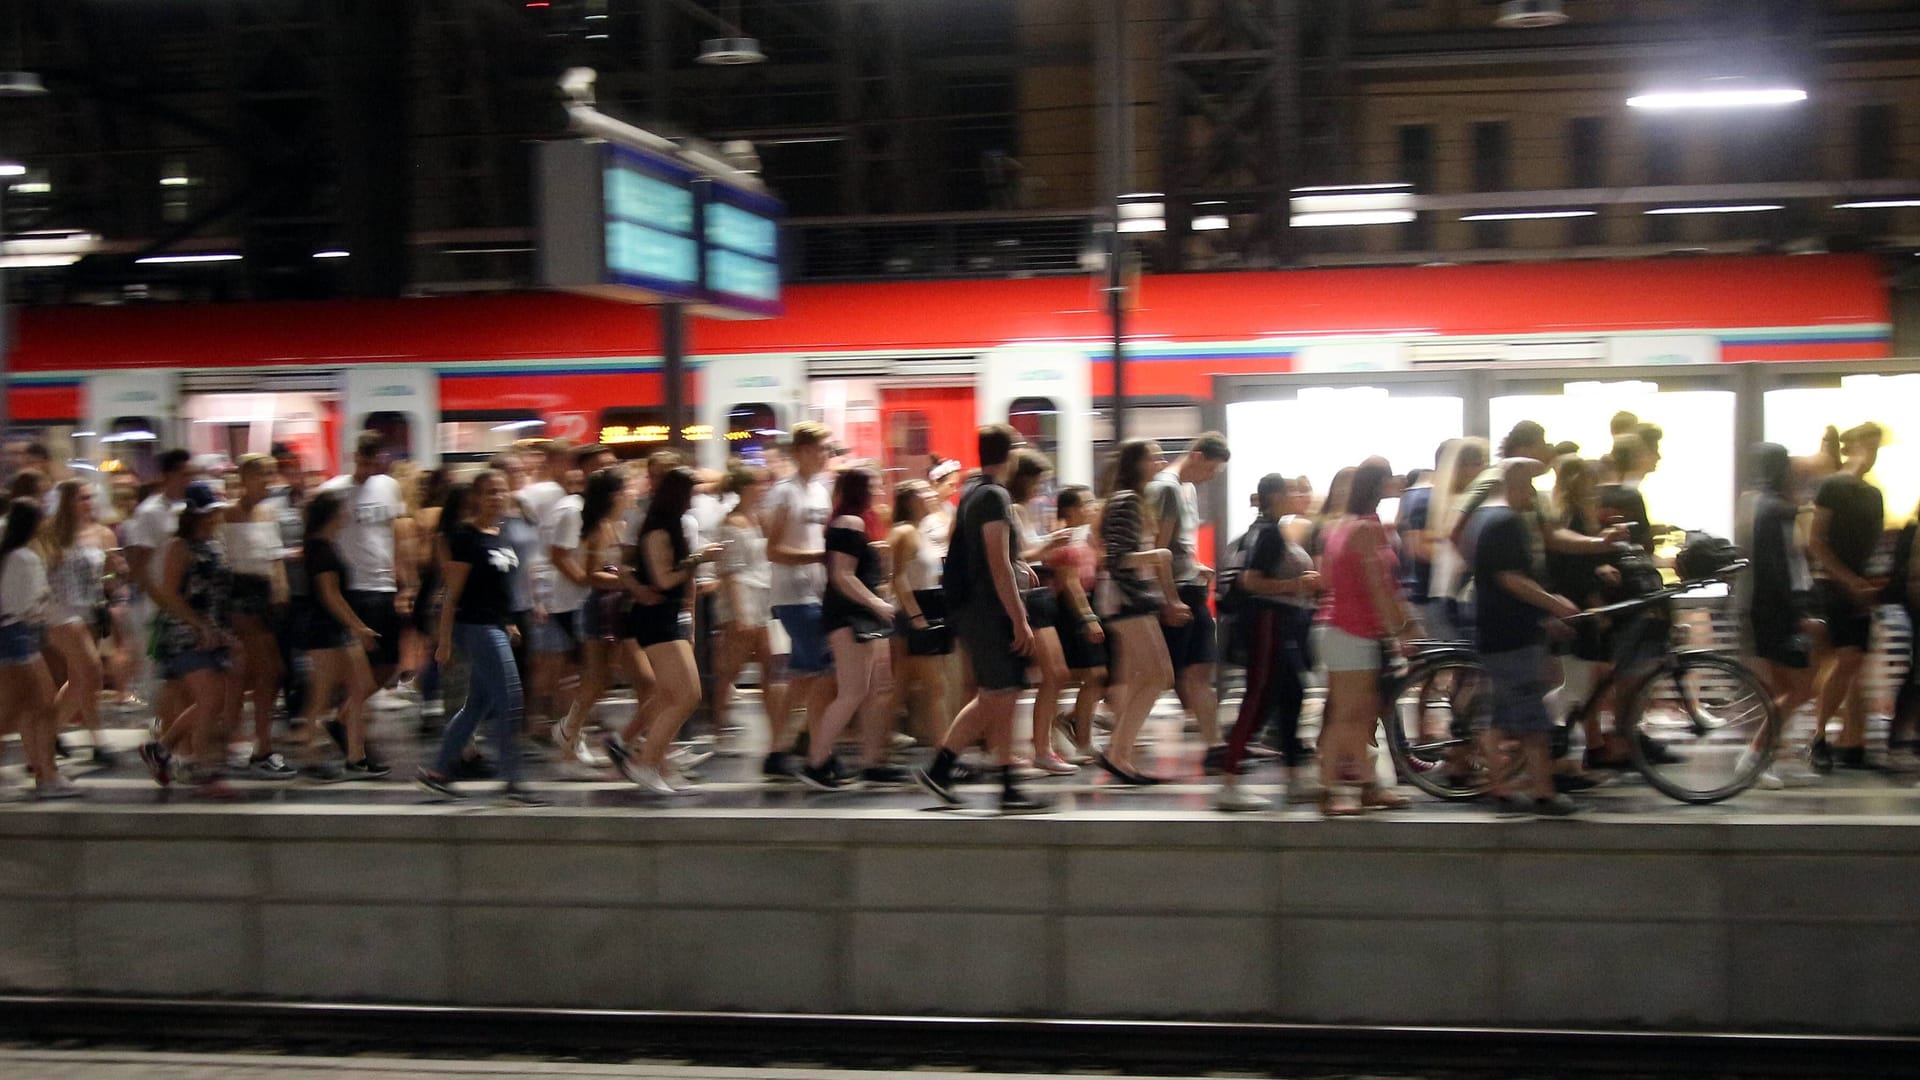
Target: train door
401 403
1047 395
1314 425
921 424
1696 410
133 415
747 404
896 412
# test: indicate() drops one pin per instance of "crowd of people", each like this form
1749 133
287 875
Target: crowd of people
268 607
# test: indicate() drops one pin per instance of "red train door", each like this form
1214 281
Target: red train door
920 422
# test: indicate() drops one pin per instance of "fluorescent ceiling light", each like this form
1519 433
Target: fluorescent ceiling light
175 181
335 253
1145 195
30 262
1751 208
488 251
1352 217
1210 223
12 168
1716 99
596 37
1528 215
83 435
158 260
1211 202
1143 225
34 187
1136 210
1399 201
132 436
1878 204
1395 186
518 425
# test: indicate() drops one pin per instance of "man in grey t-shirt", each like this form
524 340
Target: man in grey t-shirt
1175 500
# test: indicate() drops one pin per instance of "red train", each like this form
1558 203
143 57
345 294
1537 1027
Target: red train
900 369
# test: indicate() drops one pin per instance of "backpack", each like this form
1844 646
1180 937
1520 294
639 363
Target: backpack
1704 556
955 570
1228 596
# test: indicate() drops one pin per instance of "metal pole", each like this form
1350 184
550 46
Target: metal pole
1117 316
673 354
1119 155
6 318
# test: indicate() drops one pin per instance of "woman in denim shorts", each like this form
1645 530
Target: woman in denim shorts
192 642
24 681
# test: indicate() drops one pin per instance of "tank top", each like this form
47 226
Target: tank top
922 572
76 583
206 587
252 546
1348 605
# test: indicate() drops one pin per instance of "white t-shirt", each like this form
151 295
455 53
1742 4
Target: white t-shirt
561 529
807 505
154 522
23 588
366 542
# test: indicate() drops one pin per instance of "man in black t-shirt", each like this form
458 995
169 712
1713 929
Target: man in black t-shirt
1849 516
989 618
1511 609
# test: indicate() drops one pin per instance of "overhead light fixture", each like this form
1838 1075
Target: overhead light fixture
730 52
176 181
162 260
141 435
33 187
12 168
83 435
518 425
336 253
1143 225
21 84
1351 217
1878 204
1527 215
1210 223
1530 14
36 262
1394 186
596 37
1723 96
1751 208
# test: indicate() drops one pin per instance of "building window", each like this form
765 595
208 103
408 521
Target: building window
1586 156
1416 168
1490 154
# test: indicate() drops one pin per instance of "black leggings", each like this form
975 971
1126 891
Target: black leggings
1276 679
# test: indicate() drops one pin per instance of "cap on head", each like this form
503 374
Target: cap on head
202 498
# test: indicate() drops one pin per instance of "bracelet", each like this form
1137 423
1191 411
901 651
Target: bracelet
1089 618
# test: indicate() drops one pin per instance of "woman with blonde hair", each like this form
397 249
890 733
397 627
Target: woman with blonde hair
921 641
74 546
1461 462
745 598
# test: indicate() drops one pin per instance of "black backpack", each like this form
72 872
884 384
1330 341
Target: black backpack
1228 596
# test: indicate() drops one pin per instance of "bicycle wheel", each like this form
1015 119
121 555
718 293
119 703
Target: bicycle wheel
1432 717
1702 713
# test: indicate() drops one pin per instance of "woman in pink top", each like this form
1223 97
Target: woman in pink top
1363 607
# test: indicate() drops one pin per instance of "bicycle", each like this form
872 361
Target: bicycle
1699 710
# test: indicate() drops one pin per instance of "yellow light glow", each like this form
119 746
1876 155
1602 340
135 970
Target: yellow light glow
1795 418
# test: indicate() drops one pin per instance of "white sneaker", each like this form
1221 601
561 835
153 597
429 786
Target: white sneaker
648 778
1303 784
584 752
1766 781
1234 799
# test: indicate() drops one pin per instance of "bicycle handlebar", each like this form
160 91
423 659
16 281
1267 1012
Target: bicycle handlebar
1724 575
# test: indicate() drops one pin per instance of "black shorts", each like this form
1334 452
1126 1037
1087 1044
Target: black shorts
1848 627
1193 643
1775 637
376 610
1080 652
1042 607
988 637
310 628
251 595
654 624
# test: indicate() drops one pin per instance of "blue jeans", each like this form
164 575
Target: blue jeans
493 690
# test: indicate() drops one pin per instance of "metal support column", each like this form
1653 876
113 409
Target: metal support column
673 370
1117 175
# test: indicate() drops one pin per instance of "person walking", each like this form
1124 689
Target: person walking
1849 516
797 511
922 638
859 622
744 609
1191 645
26 687
73 547
334 641
1140 594
251 535
380 568
193 643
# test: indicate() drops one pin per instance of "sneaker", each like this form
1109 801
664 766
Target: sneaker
57 788
1055 765
327 773
270 767
939 787
1015 801
886 775
1214 761
1303 784
1820 756
557 735
1656 752
690 755
584 753
366 769
60 748
903 741
777 766
1558 806
621 759
1027 770
156 759
437 783
649 778
1234 799
105 758
1851 757
474 768
822 777
515 795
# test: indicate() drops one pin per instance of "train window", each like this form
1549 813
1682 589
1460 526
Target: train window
470 439
1796 416
396 433
753 429
631 433
1037 419
133 444
1326 428
1174 423
909 435
1693 489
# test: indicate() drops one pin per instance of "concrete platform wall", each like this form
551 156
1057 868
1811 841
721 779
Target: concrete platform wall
1675 925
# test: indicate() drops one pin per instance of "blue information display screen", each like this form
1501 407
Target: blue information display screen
651 224
741 234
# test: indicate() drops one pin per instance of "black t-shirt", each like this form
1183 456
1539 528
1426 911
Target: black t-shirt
320 558
1624 505
487 597
1415 573
1859 517
866 567
1503 622
984 503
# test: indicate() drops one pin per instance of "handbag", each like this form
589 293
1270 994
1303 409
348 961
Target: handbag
936 638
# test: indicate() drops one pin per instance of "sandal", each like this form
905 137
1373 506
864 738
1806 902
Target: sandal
1340 800
1375 797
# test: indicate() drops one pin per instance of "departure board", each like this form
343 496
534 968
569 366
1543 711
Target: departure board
652 239
741 235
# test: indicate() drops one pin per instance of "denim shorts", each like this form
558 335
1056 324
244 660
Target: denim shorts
1519 681
180 665
20 643
808 653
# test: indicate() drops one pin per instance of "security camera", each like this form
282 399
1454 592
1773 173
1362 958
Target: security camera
577 84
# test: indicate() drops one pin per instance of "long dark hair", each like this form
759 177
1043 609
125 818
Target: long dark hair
1028 467
1369 486
1132 470
596 503
853 493
23 523
320 514
456 506
672 498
